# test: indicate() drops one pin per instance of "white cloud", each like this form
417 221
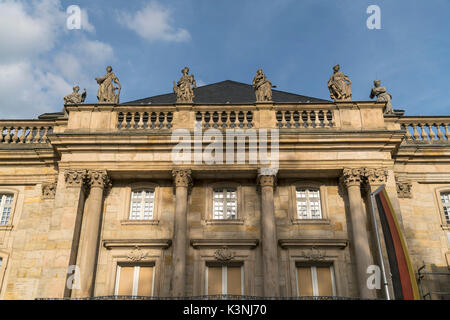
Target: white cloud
35 71
154 23
85 22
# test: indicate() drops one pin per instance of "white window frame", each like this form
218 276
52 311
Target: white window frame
142 204
445 206
225 191
137 269
315 285
308 203
224 279
3 206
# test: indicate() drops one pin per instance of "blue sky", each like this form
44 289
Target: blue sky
295 42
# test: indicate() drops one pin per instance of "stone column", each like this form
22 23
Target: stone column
269 236
360 241
182 182
90 232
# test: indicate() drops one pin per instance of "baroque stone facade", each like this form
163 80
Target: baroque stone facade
177 225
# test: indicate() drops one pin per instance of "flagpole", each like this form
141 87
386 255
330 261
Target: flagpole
383 270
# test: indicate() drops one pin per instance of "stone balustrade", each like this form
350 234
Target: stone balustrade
223 119
144 120
301 118
25 131
426 129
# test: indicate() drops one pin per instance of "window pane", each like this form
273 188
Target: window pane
5 208
308 203
445 197
142 204
224 203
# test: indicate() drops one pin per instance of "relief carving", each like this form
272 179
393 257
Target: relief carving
224 254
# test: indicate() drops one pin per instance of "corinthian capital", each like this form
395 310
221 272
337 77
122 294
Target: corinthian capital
182 178
352 176
375 176
99 178
75 178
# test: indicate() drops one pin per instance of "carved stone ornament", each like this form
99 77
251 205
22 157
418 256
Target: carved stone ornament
262 87
182 178
404 189
352 176
224 254
267 177
376 176
75 178
184 88
313 254
49 190
99 178
136 254
75 97
339 86
106 91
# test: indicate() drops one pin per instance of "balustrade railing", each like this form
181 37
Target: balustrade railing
27 132
226 119
305 119
426 129
129 120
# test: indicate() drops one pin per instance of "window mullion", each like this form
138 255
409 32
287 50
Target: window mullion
224 213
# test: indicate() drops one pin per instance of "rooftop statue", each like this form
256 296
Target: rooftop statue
339 86
382 96
75 97
262 86
184 88
106 90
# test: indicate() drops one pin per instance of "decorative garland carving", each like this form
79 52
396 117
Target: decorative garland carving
49 190
224 254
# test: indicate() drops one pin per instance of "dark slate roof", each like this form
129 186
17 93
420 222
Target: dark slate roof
226 92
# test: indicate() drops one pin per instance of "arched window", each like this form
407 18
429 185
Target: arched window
6 202
142 204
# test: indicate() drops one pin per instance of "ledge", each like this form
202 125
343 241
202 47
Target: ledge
310 221
139 222
217 243
329 243
141 243
224 221
7 227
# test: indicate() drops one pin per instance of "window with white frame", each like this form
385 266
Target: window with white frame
142 204
308 203
445 198
315 281
5 208
224 203
223 279
135 280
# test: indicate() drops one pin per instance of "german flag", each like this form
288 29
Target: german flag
403 279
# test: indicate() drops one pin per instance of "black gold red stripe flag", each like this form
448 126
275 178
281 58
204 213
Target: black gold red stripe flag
403 278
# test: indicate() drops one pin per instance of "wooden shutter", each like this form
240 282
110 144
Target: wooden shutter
304 278
145 287
126 281
324 281
234 283
215 280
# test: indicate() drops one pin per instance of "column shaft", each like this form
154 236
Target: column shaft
182 180
269 237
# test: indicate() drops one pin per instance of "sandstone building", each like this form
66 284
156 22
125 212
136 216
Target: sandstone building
94 190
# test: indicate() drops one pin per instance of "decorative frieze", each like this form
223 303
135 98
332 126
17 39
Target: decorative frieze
48 190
